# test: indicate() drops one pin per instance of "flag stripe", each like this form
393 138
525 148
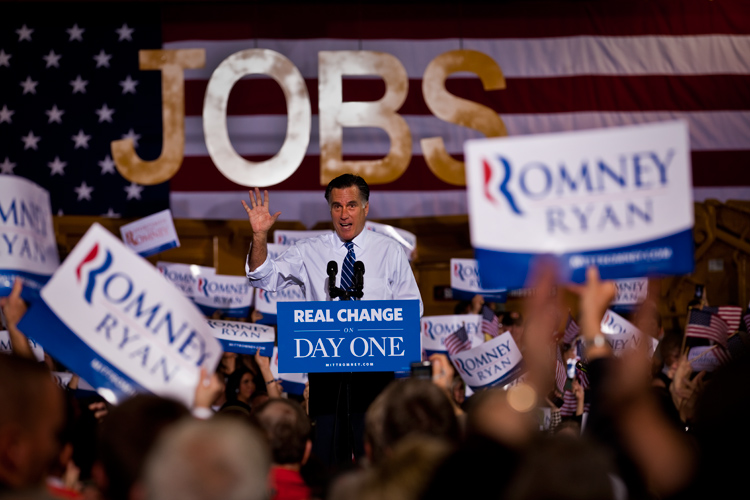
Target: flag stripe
552 57
507 19
264 134
263 96
198 173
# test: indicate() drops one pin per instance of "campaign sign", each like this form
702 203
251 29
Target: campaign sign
292 383
266 302
699 361
465 282
151 235
405 238
7 347
621 334
436 328
630 292
243 338
184 276
613 323
62 379
348 336
110 317
290 237
493 363
619 198
231 295
28 248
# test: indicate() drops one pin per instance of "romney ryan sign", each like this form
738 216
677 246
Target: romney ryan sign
348 336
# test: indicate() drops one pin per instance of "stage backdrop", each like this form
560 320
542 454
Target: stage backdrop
369 89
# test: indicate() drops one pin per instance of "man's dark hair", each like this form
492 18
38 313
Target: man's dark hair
127 435
20 380
288 429
414 406
349 180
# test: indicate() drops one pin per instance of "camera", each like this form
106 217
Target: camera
422 370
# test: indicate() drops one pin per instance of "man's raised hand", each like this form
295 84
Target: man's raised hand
260 218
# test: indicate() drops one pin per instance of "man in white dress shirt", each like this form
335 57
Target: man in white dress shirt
337 401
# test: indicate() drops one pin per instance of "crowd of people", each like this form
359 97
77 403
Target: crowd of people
641 427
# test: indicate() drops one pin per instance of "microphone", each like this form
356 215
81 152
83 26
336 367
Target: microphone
332 269
358 281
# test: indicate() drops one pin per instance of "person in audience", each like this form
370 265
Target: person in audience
565 468
220 458
242 384
31 416
406 473
288 430
126 436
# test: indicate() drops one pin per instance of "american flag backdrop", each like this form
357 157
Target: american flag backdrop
69 85
567 66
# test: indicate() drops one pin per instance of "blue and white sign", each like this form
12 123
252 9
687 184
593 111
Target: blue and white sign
151 235
619 198
622 335
700 360
110 317
243 338
266 302
290 237
493 363
630 292
184 276
406 239
348 336
27 239
436 328
7 348
292 383
465 282
231 295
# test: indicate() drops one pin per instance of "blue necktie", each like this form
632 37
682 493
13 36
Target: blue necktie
347 270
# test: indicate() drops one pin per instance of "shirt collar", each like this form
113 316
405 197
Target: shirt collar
359 240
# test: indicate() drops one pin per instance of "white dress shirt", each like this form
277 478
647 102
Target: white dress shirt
388 275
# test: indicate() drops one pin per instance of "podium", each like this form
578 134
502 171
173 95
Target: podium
349 349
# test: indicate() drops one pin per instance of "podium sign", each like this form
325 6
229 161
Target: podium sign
348 336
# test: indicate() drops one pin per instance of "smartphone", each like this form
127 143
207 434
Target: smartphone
556 400
699 291
422 369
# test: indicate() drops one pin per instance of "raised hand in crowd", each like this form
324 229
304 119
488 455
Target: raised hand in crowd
685 391
209 388
100 409
255 316
273 386
442 376
476 304
579 393
14 308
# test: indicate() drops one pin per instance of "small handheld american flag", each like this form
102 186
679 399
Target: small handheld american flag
457 341
705 325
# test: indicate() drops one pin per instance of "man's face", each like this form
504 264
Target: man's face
348 212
